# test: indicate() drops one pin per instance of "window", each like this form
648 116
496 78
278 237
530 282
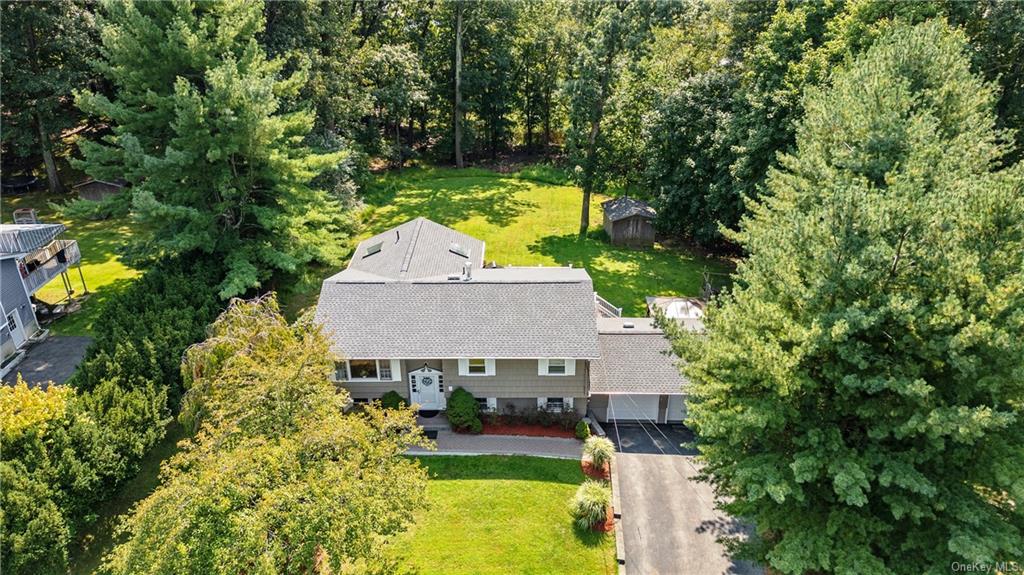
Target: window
12 323
554 404
458 250
556 367
477 366
362 368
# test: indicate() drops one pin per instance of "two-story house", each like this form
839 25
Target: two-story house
418 312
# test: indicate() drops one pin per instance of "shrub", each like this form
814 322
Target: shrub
464 412
582 430
392 400
590 504
599 449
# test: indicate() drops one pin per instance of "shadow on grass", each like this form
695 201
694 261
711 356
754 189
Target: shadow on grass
503 467
82 321
591 538
448 201
625 276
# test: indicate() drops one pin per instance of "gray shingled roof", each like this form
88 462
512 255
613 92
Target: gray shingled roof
497 314
634 360
418 248
625 207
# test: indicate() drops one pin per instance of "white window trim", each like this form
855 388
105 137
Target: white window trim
394 364
542 367
464 367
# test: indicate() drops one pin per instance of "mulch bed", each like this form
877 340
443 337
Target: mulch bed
594 472
607 525
502 428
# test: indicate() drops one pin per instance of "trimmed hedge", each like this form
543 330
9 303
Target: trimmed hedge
392 400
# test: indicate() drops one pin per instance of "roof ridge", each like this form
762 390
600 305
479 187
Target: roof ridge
412 246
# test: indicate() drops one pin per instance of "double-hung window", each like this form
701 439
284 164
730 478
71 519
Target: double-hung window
556 367
476 366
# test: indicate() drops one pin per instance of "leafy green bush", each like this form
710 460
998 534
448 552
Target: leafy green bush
392 400
599 449
464 412
590 504
582 430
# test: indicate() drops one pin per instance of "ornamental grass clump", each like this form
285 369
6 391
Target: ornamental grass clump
599 450
589 507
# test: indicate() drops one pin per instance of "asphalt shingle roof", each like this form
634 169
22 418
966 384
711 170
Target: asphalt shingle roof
634 360
395 300
625 207
416 249
483 317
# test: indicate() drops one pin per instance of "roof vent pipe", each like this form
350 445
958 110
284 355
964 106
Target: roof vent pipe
467 271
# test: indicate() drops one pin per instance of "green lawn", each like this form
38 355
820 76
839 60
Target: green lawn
500 514
98 241
524 222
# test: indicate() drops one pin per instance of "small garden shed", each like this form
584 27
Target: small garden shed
97 190
629 221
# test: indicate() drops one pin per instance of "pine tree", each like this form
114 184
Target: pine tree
859 397
217 168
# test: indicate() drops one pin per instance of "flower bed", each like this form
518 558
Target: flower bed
501 427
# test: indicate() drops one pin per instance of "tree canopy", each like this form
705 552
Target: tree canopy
858 395
276 478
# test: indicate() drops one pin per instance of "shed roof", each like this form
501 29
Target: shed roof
635 360
24 238
626 207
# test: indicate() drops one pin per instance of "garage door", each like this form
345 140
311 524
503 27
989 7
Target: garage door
676 408
633 407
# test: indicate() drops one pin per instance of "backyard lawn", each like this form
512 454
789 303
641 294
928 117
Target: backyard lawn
102 267
501 514
525 222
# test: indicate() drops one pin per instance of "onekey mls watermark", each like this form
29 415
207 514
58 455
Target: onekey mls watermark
997 567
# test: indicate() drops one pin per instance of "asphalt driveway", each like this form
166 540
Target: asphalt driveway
669 523
54 359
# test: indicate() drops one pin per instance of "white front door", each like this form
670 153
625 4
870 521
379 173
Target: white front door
16 329
426 388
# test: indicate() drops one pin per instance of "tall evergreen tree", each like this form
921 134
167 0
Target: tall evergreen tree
217 167
45 52
860 394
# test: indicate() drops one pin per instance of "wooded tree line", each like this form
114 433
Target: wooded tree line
686 103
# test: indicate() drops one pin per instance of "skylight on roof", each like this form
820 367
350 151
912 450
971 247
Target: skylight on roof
375 248
458 250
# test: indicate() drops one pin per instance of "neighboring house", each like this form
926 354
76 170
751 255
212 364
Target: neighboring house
30 256
629 221
416 313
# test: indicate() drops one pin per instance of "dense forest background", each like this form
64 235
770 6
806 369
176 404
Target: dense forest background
685 103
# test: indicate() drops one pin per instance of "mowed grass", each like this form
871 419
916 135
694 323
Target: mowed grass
102 267
501 514
528 222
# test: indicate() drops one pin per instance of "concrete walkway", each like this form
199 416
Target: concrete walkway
449 443
54 359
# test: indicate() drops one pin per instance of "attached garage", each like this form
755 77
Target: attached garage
633 408
637 377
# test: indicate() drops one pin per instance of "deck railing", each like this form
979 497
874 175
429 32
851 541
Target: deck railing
605 308
48 263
